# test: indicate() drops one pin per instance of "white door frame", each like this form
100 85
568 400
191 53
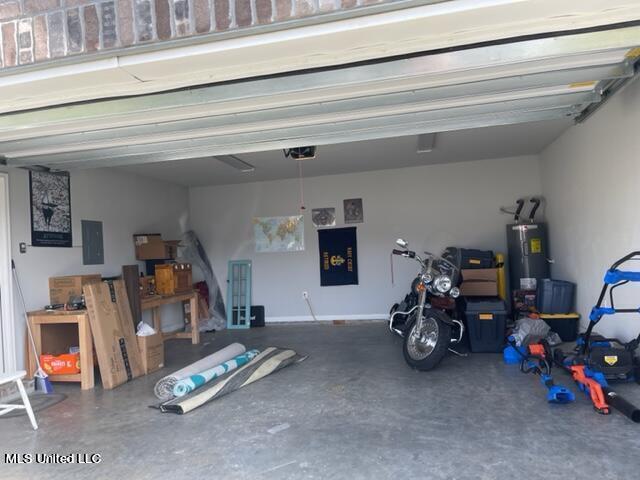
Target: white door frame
8 362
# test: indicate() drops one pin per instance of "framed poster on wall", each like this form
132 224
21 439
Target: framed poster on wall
50 194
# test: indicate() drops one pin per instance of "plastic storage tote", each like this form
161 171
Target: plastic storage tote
486 323
555 296
566 325
467 258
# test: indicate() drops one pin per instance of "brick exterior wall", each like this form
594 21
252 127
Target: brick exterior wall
38 30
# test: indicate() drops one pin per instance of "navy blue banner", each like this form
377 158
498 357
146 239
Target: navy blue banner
338 256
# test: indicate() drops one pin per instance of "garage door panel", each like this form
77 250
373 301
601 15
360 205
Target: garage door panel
383 127
562 74
326 139
366 107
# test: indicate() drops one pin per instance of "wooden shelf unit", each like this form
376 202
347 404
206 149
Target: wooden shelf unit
80 318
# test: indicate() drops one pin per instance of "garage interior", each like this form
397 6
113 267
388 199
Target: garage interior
435 148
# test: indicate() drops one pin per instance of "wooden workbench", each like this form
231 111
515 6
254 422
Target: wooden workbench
63 319
154 303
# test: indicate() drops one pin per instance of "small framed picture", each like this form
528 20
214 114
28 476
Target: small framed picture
353 211
323 217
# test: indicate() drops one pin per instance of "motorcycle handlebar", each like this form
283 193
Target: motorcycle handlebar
404 253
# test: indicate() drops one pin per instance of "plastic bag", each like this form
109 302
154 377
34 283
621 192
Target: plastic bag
553 339
191 250
145 330
529 330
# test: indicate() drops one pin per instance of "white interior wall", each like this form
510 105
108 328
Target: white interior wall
590 178
126 204
431 206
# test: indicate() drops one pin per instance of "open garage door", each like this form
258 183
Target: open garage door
564 76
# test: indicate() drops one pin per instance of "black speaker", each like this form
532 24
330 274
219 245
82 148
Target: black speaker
257 316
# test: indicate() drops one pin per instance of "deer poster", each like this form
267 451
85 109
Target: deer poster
50 209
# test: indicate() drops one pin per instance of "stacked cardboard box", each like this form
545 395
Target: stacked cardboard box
479 282
153 247
152 352
62 288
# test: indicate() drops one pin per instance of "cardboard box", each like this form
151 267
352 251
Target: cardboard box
114 337
152 352
480 282
65 364
61 288
152 247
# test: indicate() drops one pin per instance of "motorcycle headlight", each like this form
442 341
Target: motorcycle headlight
443 283
455 292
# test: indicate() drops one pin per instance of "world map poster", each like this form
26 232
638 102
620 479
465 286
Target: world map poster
279 234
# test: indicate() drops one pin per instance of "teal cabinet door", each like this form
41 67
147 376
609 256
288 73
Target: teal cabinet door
239 294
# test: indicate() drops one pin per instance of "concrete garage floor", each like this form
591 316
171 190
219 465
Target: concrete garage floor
354 410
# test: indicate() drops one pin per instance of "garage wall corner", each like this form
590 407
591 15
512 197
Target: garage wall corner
125 203
590 178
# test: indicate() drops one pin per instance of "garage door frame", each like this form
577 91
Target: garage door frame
8 360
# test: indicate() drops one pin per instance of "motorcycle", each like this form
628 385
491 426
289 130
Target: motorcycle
424 319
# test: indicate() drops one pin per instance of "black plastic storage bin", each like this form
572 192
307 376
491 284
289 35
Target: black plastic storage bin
565 325
486 323
468 258
555 296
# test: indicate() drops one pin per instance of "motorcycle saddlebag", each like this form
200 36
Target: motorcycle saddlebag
468 258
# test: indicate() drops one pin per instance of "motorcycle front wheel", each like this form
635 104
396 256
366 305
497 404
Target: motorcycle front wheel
424 349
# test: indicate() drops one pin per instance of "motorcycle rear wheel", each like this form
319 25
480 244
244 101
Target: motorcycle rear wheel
424 350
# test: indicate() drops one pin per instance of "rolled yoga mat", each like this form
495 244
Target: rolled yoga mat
164 387
189 384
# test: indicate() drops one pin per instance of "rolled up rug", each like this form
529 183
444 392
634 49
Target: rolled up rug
189 384
163 389
269 361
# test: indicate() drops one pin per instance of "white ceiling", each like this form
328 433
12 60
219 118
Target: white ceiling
456 146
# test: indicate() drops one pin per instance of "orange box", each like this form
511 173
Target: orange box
65 364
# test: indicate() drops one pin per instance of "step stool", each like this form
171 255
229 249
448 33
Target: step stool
6 408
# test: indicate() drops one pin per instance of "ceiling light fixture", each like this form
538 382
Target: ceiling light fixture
300 153
236 163
426 142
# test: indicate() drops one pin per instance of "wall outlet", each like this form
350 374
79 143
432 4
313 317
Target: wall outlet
305 294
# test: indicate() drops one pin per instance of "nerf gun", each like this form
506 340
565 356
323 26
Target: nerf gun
594 384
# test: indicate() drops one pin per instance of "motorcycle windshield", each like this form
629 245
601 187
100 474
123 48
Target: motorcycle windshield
445 267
